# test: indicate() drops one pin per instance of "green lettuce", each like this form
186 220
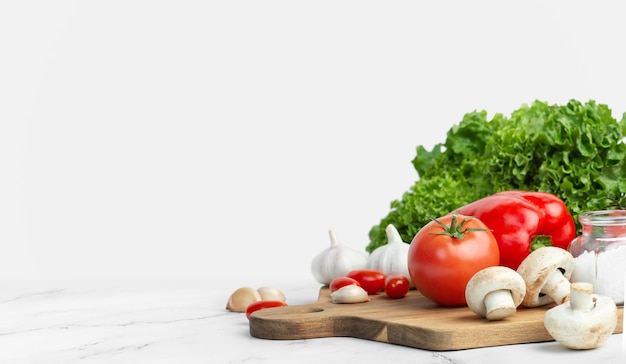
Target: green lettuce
575 151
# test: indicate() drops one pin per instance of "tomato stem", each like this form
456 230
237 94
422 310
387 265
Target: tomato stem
456 229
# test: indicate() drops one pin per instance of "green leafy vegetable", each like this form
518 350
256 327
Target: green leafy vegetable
575 151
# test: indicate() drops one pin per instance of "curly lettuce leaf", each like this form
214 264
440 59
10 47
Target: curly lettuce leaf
575 151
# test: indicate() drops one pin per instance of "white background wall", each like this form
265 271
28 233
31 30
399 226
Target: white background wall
204 139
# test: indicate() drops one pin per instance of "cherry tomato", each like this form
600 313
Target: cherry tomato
446 253
259 305
339 282
372 281
396 285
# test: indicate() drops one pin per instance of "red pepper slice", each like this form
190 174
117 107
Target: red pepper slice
523 221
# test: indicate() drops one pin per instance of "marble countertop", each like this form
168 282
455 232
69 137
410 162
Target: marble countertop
186 322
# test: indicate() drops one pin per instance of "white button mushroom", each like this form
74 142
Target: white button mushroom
546 272
495 292
585 322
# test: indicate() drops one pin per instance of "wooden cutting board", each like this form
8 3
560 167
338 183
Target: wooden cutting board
412 321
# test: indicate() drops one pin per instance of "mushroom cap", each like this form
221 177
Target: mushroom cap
492 279
538 266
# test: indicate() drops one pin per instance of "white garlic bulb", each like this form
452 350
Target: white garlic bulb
391 258
336 261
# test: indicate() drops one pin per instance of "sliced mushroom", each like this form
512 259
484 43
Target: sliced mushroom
546 272
495 292
585 322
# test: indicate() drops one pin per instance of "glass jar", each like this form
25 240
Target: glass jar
600 253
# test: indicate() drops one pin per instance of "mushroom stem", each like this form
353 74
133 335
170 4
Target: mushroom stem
557 287
499 304
581 298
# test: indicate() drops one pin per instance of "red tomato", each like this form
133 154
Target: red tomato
372 281
446 253
339 282
396 285
259 305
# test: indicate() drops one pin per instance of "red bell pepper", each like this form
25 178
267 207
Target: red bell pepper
523 221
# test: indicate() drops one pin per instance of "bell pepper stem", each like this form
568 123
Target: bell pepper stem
540 241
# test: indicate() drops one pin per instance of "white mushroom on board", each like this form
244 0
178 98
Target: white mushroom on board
585 322
546 272
495 292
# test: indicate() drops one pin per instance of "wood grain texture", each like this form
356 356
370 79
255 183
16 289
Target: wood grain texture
412 321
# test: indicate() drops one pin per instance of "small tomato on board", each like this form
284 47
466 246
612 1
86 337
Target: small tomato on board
372 281
446 253
397 285
259 305
339 282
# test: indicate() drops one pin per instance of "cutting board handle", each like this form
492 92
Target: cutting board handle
315 320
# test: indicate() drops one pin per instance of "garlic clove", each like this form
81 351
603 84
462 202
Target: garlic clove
241 298
271 294
349 294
